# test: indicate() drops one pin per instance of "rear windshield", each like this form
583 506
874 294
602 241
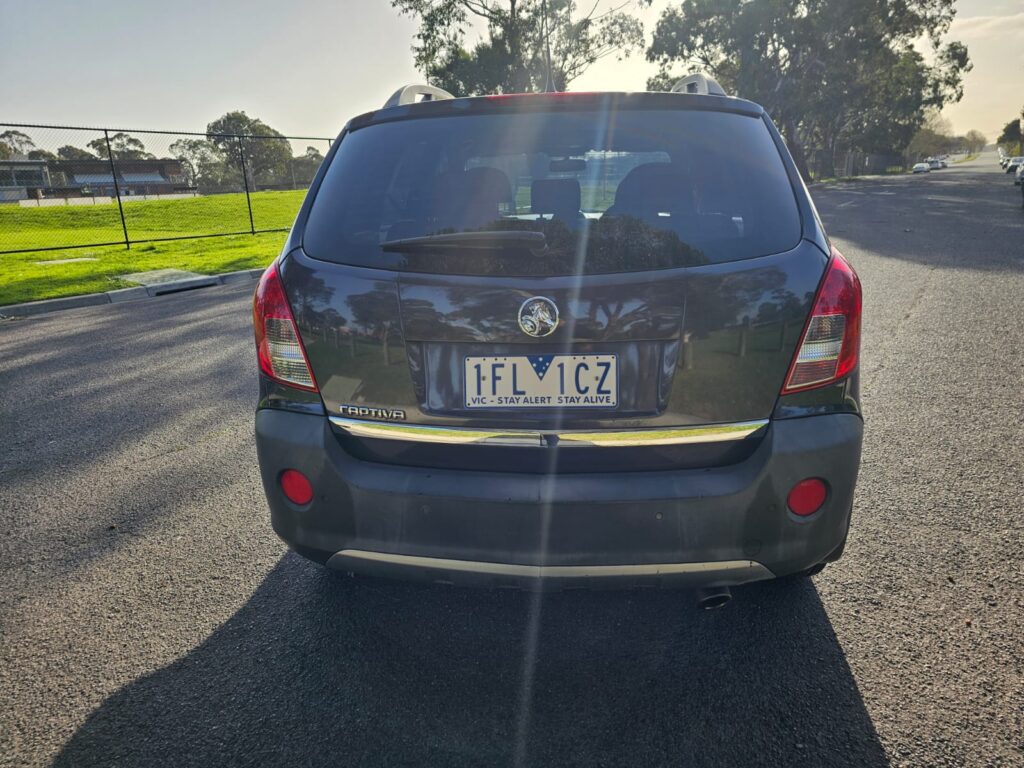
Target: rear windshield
610 191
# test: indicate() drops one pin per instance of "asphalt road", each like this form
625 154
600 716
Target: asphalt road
150 617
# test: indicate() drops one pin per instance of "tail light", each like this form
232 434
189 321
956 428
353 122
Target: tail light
278 346
830 345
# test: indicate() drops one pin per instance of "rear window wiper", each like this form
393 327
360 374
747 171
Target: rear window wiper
486 240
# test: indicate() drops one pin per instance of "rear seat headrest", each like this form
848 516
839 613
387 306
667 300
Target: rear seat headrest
470 198
652 188
560 197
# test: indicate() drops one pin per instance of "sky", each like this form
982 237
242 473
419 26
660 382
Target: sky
306 66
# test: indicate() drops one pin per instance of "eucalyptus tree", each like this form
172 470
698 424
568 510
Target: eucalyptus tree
524 45
828 71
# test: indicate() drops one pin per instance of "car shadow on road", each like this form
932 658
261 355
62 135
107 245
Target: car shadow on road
318 669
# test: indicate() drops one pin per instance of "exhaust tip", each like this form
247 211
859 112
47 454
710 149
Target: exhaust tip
709 598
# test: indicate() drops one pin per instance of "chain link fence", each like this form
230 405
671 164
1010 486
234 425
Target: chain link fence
69 187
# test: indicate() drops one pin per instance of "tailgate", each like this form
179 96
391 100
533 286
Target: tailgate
702 345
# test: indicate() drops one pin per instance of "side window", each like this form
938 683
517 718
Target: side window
405 196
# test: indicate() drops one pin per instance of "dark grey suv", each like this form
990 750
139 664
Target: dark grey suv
561 339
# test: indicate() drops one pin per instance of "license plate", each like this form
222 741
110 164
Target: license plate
542 381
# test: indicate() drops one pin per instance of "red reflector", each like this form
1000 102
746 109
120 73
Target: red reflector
807 496
296 487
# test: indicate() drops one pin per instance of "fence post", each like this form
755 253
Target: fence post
245 180
117 190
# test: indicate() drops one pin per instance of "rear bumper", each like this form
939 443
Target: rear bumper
692 527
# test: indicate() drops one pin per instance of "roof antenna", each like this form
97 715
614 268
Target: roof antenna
549 84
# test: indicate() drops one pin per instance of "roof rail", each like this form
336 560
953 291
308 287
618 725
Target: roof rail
699 83
408 94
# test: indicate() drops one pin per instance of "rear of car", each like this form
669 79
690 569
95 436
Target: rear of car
561 339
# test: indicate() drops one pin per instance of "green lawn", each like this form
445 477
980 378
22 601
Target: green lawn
22 278
593 197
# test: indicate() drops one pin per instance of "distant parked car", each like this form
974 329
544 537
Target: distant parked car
921 168
934 164
1014 163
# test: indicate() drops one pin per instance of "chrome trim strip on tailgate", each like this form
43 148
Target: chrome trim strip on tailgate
751 568
612 438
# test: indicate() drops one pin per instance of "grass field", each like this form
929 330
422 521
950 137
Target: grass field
24 278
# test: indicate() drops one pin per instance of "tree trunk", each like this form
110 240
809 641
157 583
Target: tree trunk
517 80
796 149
